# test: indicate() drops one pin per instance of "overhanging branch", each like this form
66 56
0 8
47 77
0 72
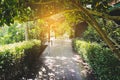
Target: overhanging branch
40 3
103 15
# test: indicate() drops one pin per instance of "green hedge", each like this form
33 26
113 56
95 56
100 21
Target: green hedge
11 55
105 65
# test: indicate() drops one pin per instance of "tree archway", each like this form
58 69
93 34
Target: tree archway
45 8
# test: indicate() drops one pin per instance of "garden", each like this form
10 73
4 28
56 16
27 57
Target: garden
26 26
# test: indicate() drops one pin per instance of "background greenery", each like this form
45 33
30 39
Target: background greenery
11 34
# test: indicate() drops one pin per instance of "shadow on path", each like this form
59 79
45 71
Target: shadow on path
59 62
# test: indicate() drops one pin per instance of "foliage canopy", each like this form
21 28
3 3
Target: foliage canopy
23 10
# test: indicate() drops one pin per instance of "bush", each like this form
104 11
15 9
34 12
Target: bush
11 55
103 62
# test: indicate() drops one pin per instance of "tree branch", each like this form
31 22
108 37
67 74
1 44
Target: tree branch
103 15
91 20
40 3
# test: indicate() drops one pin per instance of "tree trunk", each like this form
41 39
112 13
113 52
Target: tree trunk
26 32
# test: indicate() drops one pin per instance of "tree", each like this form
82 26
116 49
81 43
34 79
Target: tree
11 10
44 8
88 17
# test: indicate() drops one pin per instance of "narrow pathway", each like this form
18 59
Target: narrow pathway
59 62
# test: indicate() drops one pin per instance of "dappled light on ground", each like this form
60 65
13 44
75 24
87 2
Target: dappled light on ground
59 68
58 63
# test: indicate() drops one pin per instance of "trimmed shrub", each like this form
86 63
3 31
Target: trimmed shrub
11 56
103 62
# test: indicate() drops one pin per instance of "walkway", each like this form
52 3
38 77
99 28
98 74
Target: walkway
59 62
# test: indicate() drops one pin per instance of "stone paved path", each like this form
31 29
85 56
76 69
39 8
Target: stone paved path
59 62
